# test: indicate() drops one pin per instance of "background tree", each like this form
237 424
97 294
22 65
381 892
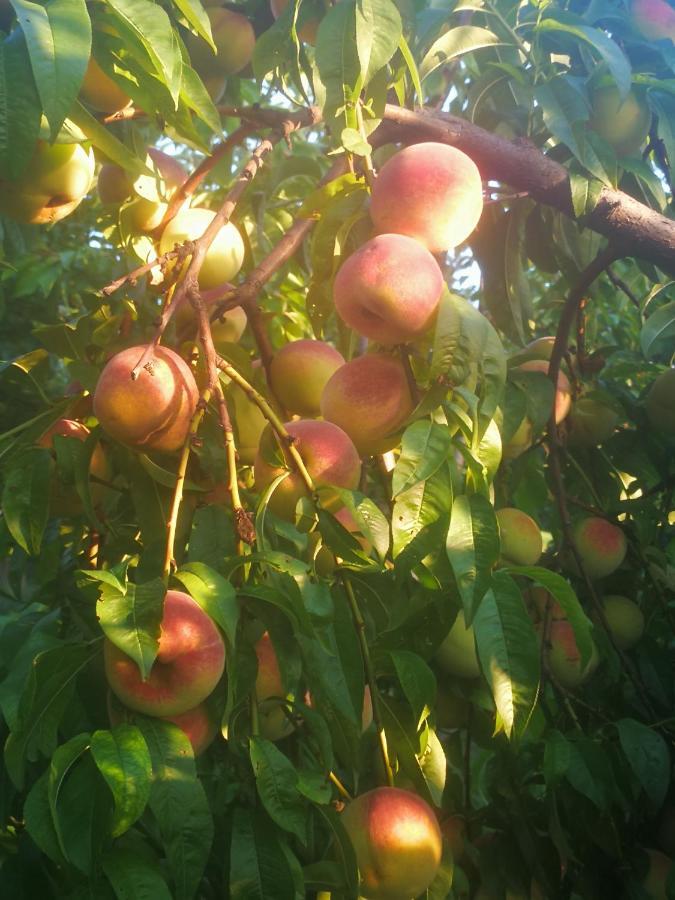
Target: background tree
337 451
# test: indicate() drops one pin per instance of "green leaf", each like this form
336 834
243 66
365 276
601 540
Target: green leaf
39 822
648 755
276 779
59 42
214 594
20 110
509 652
378 32
657 337
196 16
196 97
417 682
372 523
44 700
134 877
409 60
101 137
424 448
338 62
426 504
455 43
25 498
179 804
472 546
259 868
123 759
63 760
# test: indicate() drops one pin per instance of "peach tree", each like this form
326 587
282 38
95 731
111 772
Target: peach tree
337 453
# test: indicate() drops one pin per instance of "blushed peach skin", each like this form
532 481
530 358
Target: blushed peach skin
521 542
654 19
199 726
600 545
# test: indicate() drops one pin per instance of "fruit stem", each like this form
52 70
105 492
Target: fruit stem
239 514
360 626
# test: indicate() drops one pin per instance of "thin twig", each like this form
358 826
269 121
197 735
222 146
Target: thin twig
622 286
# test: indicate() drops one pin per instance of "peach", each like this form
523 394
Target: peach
591 422
564 658
623 123
328 453
141 215
397 842
224 257
310 28
654 19
430 192
234 38
248 423
199 726
624 620
600 545
370 399
660 403
521 441
53 184
113 185
657 875
61 500
457 654
100 92
563 396
154 411
269 690
299 372
389 289
190 661
539 348
520 537
538 598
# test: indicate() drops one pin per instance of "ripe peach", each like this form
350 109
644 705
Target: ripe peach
397 842
53 184
299 372
457 654
564 658
154 411
389 289
189 663
198 724
234 38
600 544
520 537
654 19
328 453
224 257
624 124
591 422
100 92
431 192
370 399
657 875
563 396
624 619
273 721
660 403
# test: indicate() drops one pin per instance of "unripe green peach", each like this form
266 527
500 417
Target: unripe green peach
152 412
54 183
624 619
457 654
328 453
520 537
248 423
563 395
564 658
600 545
199 726
591 422
299 372
660 403
624 124
370 399
189 663
234 38
141 215
397 842
225 256
430 192
657 875
521 440
654 19
269 691
100 92
389 290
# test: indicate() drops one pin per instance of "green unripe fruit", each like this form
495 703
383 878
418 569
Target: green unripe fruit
299 372
225 256
520 537
624 619
624 124
591 422
660 403
234 38
457 654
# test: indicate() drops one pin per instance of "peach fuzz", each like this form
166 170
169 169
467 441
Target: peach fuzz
299 372
370 399
397 841
190 661
198 725
328 453
154 411
389 289
563 395
431 192
600 545
520 537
